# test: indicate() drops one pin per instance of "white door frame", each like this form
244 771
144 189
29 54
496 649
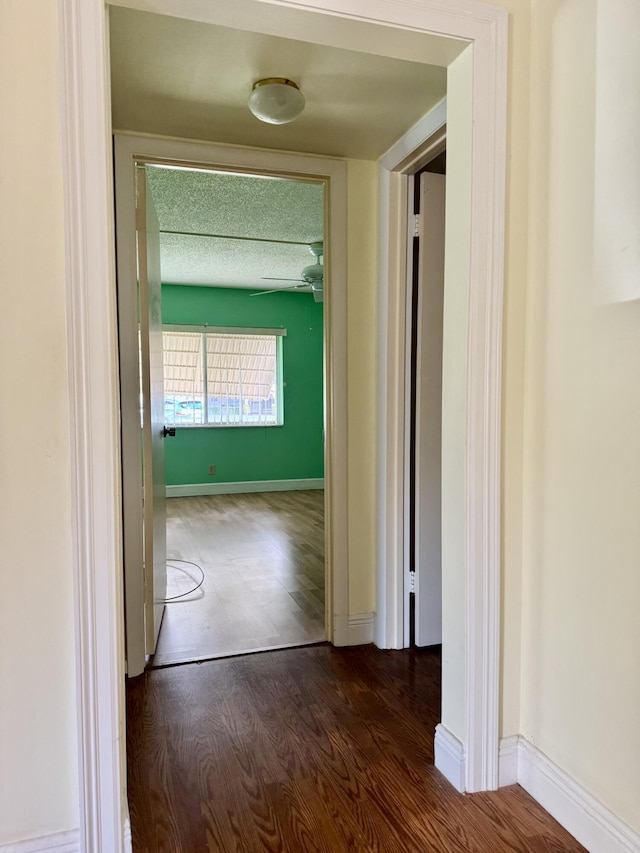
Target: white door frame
93 374
409 154
468 756
131 149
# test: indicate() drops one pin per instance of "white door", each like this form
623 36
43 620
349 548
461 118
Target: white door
153 426
142 414
428 440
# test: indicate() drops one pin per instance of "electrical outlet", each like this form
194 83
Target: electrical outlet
212 469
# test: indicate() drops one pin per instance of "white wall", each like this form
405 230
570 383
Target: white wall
362 227
581 521
516 259
38 769
571 398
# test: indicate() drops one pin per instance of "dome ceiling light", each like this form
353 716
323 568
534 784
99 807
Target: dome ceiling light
276 100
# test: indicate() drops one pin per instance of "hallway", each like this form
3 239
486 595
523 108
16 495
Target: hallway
309 749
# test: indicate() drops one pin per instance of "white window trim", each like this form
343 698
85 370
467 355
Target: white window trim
278 333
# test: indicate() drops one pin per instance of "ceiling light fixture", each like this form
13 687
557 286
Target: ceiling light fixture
276 100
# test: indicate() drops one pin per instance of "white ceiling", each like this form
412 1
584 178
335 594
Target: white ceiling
192 80
180 78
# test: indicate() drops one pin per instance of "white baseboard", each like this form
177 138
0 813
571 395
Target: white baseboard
59 842
594 825
189 490
127 840
449 757
360 629
508 761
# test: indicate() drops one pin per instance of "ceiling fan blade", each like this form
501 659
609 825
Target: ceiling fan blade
280 289
275 278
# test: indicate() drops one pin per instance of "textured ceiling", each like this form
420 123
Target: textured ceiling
259 226
175 77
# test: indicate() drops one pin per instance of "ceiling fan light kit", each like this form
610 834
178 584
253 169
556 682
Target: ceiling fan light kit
314 273
276 100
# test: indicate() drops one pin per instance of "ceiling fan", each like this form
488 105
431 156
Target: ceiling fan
311 276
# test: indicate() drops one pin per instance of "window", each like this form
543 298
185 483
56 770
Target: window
242 383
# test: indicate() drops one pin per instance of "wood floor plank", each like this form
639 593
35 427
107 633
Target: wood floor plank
309 749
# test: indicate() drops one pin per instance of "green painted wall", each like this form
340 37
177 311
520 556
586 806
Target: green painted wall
290 452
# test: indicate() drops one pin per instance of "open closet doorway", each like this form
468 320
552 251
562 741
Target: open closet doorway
243 363
423 441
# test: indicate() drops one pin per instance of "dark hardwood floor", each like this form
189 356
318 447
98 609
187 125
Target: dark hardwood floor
308 749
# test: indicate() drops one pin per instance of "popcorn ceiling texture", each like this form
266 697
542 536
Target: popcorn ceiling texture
234 206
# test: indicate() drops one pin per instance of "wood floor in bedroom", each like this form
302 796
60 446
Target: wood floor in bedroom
262 556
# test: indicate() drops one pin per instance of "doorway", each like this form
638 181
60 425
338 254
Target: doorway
280 426
242 347
92 335
423 440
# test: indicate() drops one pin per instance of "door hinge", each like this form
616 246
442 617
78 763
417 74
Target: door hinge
412 583
416 225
